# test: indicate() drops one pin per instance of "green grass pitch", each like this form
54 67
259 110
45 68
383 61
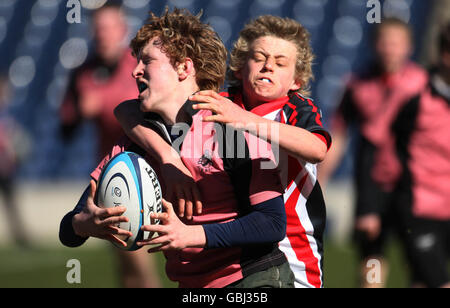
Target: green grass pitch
46 267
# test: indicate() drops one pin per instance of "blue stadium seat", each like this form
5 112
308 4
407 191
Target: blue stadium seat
222 26
310 13
355 8
264 7
340 34
7 9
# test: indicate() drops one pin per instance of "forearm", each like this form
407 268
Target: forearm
131 118
153 144
195 237
265 224
296 141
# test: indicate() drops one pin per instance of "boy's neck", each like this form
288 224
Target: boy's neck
172 112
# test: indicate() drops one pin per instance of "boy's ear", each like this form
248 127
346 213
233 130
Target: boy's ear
185 68
296 85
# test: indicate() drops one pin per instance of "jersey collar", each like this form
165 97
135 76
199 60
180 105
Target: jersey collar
264 108
156 122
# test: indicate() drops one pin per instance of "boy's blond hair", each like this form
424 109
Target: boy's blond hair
182 36
283 28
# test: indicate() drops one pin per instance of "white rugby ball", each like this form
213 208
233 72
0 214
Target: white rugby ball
128 180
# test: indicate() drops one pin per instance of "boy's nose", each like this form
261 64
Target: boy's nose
138 70
268 65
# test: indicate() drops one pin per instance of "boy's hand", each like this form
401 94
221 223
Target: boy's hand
182 189
223 109
173 234
98 222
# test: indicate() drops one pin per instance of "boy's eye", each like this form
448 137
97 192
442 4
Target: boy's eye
146 60
258 57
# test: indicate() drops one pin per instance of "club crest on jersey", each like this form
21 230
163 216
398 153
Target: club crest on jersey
205 161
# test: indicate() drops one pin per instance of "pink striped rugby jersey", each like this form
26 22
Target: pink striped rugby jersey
203 155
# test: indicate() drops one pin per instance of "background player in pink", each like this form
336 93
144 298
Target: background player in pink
270 62
104 81
422 132
371 101
15 146
234 241
95 89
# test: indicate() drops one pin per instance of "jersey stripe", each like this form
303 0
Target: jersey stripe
300 230
300 246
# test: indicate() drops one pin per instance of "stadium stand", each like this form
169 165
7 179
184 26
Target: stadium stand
39 47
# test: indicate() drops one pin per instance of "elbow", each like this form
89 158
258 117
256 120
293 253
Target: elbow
318 154
315 154
128 114
118 111
281 235
280 228
126 109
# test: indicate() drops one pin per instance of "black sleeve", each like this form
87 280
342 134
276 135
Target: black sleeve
346 107
303 112
67 235
71 97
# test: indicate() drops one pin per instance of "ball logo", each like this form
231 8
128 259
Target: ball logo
117 192
157 191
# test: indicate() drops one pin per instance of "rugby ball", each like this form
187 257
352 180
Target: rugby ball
128 180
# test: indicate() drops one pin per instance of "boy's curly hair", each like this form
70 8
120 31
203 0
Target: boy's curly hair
284 28
182 36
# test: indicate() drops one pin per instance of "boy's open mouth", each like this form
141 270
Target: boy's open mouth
142 86
265 80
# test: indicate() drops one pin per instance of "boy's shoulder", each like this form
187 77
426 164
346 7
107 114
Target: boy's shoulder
298 103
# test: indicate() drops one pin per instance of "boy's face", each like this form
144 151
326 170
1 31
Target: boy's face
110 30
393 48
156 78
269 72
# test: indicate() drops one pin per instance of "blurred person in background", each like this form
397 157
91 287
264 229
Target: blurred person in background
102 82
369 103
15 145
422 131
95 89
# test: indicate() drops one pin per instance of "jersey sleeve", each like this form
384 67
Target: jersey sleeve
67 234
265 224
303 113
